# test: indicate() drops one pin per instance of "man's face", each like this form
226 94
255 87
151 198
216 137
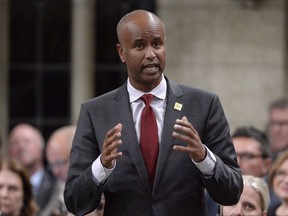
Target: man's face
25 146
58 158
142 48
11 193
278 129
250 158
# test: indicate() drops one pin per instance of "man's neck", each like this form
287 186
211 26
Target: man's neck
34 168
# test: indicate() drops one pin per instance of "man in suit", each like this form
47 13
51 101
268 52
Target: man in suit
26 145
195 147
277 130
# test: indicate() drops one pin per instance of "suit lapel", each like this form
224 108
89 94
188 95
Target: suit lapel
129 137
174 95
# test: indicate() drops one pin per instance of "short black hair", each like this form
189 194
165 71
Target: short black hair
281 103
254 133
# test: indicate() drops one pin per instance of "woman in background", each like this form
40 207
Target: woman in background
278 181
254 200
16 198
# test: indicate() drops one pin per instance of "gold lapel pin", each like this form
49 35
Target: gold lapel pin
178 106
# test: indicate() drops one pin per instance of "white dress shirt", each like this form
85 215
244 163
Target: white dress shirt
158 104
35 181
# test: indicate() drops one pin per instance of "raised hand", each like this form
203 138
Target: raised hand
184 131
111 142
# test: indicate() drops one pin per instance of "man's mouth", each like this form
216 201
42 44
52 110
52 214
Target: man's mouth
151 67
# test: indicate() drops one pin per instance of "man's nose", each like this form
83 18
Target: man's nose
22 144
150 53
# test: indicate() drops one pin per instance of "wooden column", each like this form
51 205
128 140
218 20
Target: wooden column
83 54
4 42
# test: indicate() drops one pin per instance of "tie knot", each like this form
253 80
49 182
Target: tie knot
147 98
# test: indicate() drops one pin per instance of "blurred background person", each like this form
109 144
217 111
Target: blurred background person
254 200
0 146
278 181
253 155
26 146
16 197
252 150
278 125
57 153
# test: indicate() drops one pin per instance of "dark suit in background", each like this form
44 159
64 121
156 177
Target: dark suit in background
47 191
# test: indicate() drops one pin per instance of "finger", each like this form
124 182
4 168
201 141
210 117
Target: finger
117 128
182 129
183 137
113 156
184 118
112 135
183 122
184 126
184 132
112 139
181 148
187 135
112 148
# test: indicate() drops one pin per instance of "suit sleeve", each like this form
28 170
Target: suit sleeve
81 193
226 185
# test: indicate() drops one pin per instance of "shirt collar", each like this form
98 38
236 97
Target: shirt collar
159 91
36 178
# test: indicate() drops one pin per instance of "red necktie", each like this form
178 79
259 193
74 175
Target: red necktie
149 136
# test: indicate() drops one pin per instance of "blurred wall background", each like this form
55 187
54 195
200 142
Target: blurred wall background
238 52
56 54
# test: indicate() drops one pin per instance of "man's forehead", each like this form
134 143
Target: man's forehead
147 29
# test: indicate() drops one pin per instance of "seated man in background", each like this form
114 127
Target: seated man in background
253 151
57 153
277 130
26 146
253 155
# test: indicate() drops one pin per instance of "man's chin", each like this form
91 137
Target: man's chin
27 163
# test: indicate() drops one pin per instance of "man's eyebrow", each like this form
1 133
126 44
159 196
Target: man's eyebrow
139 40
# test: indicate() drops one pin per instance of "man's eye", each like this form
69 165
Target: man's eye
157 44
139 45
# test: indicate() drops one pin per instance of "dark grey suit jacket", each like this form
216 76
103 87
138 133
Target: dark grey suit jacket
46 191
179 185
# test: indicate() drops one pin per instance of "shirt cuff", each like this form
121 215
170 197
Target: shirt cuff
99 172
207 166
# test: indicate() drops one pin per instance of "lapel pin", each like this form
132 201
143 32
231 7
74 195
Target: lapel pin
178 106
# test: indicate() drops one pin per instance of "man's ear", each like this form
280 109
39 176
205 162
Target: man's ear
120 50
